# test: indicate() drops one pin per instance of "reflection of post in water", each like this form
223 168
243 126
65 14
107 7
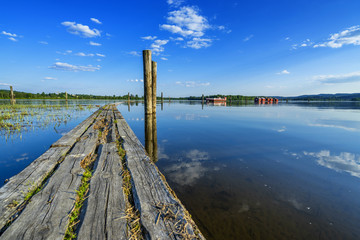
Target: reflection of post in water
128 101
202 102
154 134
162 101
151 137
149 134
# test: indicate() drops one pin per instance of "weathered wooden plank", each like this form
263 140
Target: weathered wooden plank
13 192
46 216
105 207
162 214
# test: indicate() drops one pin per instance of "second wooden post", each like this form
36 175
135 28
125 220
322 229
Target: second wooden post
154 78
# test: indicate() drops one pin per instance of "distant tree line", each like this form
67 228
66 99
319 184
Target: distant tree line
5 94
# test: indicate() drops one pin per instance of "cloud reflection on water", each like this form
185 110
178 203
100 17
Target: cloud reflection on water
188 170
344 162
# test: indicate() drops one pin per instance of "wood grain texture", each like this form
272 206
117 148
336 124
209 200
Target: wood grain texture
153 86
147 81
104 216
162 214
33 175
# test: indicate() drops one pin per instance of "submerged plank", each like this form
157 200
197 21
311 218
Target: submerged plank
162 215
12 194
47 215
104 211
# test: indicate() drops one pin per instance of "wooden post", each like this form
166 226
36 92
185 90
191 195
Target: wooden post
149 147
202 99
147 81
66 97
162 97
154 135
154 78
128 97
12 96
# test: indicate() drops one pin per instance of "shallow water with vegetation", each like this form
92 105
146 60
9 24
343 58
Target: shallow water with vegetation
286 171
28 128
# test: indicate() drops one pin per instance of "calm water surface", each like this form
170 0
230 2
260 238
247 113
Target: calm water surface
287 171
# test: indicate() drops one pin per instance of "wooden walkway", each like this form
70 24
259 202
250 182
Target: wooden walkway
96 182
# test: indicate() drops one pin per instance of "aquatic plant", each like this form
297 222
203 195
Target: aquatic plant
15 119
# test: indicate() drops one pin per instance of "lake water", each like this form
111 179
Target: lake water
286 171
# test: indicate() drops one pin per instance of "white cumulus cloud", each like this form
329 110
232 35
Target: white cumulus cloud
81 54
11 36
157 46
283 72
50 78
149 37
350 36
341 78
94 43
198 43
95 20
175 3
187 22
81 30
74 68
13 39
177 39
8 34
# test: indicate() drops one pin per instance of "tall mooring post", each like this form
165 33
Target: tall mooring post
12 96
150 77
147 81
128 97
202 99
66 97
154 78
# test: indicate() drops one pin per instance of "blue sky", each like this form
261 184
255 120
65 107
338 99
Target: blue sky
253 47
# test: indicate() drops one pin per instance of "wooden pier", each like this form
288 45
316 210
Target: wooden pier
96 182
